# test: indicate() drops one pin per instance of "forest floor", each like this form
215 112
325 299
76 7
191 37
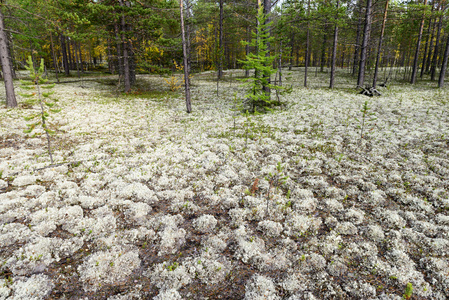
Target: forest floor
320 199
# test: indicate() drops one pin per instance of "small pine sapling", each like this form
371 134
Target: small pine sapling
46 104
276 181
367 116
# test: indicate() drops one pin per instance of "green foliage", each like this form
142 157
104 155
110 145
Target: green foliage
258 100
408 291
367 117
47 105
276 180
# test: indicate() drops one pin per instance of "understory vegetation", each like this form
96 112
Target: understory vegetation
333 195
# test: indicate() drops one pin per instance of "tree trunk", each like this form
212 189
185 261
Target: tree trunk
186 67
357 41
323 50
80 55
426 47
267 11
69 52
119 51
292 46
379 47
307 56
110 61
126 79
220 46
54 57
418 44
187 26
435 51
429 55
65 60
366 32
11 56
76 59
334 51
444 65
6 65
248 40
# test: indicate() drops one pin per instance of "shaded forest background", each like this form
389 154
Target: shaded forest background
373 40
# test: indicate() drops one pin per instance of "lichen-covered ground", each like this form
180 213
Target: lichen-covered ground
149 202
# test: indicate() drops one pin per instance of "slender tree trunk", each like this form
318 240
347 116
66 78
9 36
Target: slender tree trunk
110 62
307 56
11 56
220 53
292 47
76 59
248 40
426 47
119 51
55 64
187 25
65 61
444 65
379 47
435 51
69 52
429 55
6 64
334 51
126 79
357 41
418 44
81 57
267 11
323 50
366 32
186 67
280 64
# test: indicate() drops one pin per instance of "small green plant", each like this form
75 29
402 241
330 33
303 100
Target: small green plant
248 125
173 267
47 104
367 117
275 181
408 291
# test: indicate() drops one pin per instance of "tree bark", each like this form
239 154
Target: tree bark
426 47
126 79
80 53
334 51
220 46
65 61
248 40
6 64
76 59
307 56
418 44
357 41
55 64
323 50
186 67
267 11
379 47
444 65
366 32
435 51
119 51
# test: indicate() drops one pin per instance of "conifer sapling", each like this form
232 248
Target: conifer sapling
46 104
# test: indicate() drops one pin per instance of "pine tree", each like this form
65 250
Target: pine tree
258 100
46 104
